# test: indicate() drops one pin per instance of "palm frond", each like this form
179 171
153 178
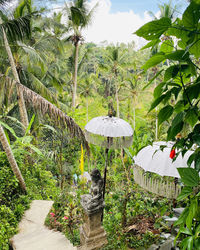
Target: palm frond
45 107
17 29
40 88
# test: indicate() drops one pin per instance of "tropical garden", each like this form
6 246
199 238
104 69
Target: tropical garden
52 83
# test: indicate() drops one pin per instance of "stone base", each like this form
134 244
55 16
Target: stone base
95 241
92 234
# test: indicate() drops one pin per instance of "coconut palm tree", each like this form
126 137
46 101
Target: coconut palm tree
15 29
114 64
11 159
87 88
79 17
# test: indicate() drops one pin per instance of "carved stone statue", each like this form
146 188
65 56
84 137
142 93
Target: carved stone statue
94 201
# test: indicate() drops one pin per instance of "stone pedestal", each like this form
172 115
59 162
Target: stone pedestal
92 234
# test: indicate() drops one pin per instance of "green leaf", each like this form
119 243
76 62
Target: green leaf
153 61
151 44
185 192
178 55
153 78
192 211
167 46
156 102
9 129
194 46
171 72
187 243
191 159
159 89
197 231
165 113
176 127
179 106
185 230
30 124
191 116
196 139
173 131
182 217
192 91
191 15
154 29
189 176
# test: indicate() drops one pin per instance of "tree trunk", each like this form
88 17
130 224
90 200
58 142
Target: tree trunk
75 76
11 159
156 137
87 109
22 107
117 101
133 119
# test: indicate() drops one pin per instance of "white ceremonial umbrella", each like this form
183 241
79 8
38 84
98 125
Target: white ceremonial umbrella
152 159
109 132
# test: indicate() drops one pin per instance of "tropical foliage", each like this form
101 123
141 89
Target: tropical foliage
179 94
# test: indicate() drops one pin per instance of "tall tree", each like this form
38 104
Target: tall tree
79 17
11 158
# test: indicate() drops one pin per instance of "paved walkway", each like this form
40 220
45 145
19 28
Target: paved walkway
33 235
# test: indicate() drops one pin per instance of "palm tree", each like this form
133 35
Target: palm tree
87 89
114 64
11 159
79 17
15 29
133 89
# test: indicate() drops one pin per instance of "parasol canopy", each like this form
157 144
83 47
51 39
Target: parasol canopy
109 132
152 159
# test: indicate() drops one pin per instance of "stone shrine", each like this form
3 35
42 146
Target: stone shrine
92 234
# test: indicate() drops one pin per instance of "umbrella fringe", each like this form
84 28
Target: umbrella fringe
159 187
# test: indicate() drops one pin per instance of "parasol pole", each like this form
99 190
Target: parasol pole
104 179
105 172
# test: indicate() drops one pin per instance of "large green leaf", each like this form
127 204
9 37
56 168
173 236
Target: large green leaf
157 101
178 119
178 55
182 217
159 89
171 72
165 113
154 29
185 192
167 46
153 61
192 116
187 243
173 131
192 91
191 15
189 176
194 46
151 44
192 211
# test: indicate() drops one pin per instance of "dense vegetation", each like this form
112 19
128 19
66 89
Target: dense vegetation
48 75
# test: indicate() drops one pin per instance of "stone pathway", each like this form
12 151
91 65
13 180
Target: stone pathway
33 235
